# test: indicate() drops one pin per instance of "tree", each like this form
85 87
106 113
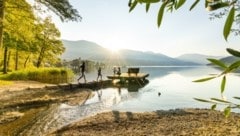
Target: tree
18 26
62 8
231 8
49 43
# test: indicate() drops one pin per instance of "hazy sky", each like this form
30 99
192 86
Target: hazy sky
108 23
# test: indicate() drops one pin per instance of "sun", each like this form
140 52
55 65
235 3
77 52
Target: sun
113 49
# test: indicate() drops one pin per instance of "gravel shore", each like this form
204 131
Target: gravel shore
189 122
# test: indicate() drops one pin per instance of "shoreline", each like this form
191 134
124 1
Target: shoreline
22 108
161 122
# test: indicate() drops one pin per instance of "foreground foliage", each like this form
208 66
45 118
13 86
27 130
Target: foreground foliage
226 69
228 8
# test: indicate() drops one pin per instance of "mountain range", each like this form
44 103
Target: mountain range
87 50
199 58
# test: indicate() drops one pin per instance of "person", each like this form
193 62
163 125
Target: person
82 72
114 71
99 73
119 71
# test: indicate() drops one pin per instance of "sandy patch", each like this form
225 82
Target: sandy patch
21 85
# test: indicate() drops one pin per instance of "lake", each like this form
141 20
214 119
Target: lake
176 88
174 83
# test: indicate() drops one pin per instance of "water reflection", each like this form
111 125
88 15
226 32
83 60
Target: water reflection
178 90
103 100
132 86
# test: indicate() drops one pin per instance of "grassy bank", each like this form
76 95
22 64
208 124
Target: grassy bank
44 75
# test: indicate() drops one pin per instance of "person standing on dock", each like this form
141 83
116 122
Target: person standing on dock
119 71
99 73
114 71
82 72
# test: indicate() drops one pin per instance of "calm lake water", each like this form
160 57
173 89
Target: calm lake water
176 88
174 83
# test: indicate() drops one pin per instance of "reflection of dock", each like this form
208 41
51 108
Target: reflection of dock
131 86
129 77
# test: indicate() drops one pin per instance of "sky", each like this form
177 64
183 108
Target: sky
109 24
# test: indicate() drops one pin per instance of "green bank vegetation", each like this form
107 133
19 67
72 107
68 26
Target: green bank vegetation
44 75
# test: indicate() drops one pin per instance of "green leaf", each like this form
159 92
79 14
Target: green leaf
217 62
233 52
133 5
180 3
160 14
147 7
194 4
204 79
227 111
223 84
148 1
213 107
235 97
228 23
202 100
206 3
170 9
212 7
129 3
220 100
233 66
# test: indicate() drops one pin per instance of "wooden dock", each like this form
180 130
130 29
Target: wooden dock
129 77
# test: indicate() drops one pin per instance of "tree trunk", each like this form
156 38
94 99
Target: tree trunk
1 21
8 59
40 57
5 60
25 63
16 59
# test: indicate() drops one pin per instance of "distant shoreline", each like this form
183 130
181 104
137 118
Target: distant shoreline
171 66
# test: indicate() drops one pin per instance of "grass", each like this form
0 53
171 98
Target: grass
3 83
45 75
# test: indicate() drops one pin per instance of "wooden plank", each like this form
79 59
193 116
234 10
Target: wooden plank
129 76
